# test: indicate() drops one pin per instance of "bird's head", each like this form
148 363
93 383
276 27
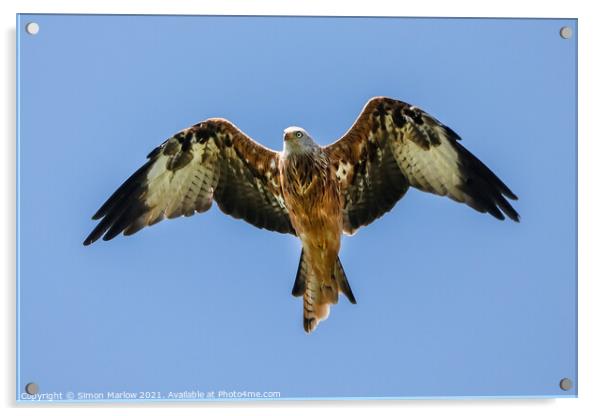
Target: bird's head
297 140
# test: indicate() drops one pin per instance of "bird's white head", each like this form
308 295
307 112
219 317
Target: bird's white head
297 140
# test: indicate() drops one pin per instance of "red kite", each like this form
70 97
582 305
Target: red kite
314 192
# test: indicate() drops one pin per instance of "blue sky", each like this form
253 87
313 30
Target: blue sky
450 301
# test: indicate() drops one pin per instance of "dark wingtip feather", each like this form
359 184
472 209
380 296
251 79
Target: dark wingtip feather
504 190
108 237
487 191
501 208
497 213
507 208
513 216
95 234
123 201
124 191
510 195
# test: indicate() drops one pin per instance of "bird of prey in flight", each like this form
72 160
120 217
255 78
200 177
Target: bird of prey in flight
315 193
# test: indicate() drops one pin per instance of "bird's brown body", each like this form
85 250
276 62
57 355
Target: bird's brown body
312 195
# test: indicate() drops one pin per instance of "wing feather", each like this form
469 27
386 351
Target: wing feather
393 145
212 160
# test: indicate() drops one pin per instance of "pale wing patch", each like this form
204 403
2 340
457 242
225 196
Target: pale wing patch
434 169
182 192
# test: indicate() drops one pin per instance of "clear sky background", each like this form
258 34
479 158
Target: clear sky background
450 301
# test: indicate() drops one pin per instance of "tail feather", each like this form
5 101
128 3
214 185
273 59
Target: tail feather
341 279
319 295
302 272
316 307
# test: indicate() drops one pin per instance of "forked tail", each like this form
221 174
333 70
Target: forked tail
319 295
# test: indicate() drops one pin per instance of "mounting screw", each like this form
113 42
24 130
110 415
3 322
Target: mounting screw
32 28
31 388
566 384
566 32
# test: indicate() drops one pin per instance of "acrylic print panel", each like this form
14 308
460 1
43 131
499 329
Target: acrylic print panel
450 302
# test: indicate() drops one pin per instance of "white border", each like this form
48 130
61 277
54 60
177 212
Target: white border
590 275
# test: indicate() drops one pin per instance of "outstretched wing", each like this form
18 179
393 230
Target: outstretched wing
210 160
393 145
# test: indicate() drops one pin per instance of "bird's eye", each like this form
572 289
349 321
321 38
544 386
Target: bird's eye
299 134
